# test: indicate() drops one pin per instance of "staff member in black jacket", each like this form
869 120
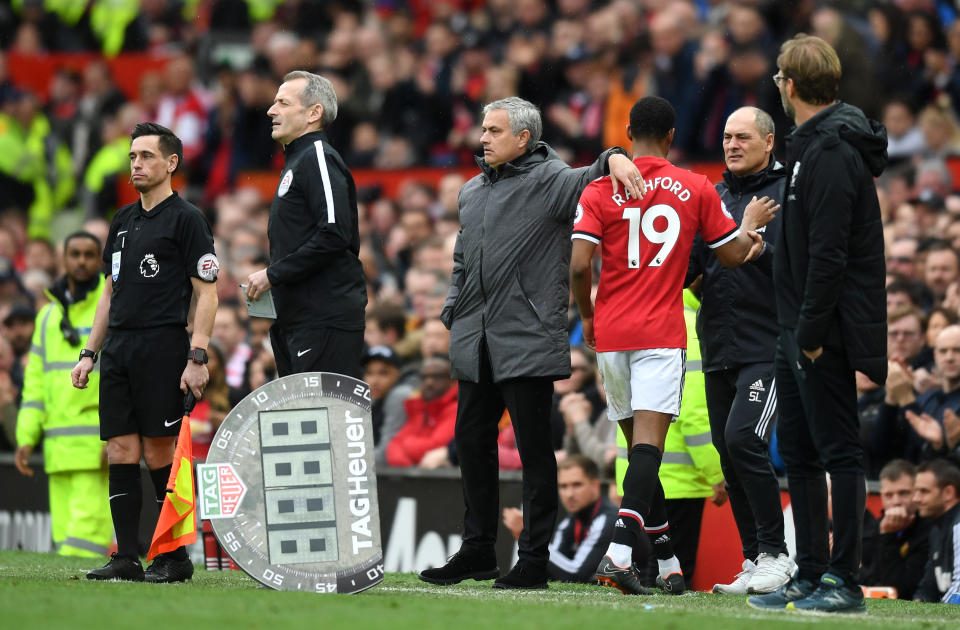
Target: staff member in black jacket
737 326
828 276
315 272
159 252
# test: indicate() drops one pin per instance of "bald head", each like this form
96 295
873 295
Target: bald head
946 354
747 141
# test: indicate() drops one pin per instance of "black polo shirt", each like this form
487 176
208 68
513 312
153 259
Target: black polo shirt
152 255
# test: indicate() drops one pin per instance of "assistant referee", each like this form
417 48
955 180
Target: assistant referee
318 284
158 253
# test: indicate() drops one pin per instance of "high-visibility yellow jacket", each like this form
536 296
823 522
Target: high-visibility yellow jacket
65 417
691 465
262 10
109 20
54 187
111 161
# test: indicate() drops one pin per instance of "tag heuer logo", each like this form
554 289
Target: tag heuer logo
221 490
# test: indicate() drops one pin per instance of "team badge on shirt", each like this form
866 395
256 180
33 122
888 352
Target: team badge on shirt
285 183
149 267
208 267
579 214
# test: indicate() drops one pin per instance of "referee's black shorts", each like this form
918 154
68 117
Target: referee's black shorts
140 374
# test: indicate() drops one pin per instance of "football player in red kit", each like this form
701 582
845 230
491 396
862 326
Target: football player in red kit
639 330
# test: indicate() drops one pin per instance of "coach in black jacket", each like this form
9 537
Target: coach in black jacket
315 273
829 283
737 327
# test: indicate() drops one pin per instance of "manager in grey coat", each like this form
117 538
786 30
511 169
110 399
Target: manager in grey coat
507 315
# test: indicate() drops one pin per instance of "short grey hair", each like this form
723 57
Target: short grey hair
522 115
317 90
764 122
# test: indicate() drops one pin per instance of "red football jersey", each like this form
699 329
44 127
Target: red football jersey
645 247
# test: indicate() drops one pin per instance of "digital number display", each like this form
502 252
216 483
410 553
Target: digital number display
298 486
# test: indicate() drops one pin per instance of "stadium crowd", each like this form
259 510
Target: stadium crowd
411 78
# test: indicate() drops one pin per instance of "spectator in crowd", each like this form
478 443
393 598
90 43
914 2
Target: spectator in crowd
231 335
100 96
941 269
901 257
184 109
904 136
584 533
905 337
110 164
386 325
430 417
901 551
66 419
209 413
937 496
435 339
934 422
586 432
569 393
381 370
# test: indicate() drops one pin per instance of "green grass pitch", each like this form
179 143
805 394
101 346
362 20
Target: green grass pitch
48 591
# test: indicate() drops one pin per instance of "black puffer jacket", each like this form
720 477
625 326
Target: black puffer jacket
737 320
829 268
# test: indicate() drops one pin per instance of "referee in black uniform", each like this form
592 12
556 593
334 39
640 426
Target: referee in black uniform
318 284
158 253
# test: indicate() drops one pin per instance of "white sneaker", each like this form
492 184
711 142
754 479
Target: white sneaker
739 584
772 572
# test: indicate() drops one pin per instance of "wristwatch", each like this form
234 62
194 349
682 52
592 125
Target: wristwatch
198 356
88 353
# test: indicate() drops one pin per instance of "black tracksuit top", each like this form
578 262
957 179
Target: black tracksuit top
317 278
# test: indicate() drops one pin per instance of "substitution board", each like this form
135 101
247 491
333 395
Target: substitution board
289 485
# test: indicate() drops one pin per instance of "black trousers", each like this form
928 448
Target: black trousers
334 350
742 404
819 431
480 406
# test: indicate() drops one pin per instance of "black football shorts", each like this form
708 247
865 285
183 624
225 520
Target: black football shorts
140 374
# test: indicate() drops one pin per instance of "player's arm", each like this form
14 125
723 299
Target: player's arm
80 375
581 282
195 375
743 247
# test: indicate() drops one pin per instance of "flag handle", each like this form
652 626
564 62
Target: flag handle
189 400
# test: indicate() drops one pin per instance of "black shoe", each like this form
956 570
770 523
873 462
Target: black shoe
463 565
673 584
119 568
625 580
523 576
166 569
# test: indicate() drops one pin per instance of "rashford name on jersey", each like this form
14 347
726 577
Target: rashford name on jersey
666 183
